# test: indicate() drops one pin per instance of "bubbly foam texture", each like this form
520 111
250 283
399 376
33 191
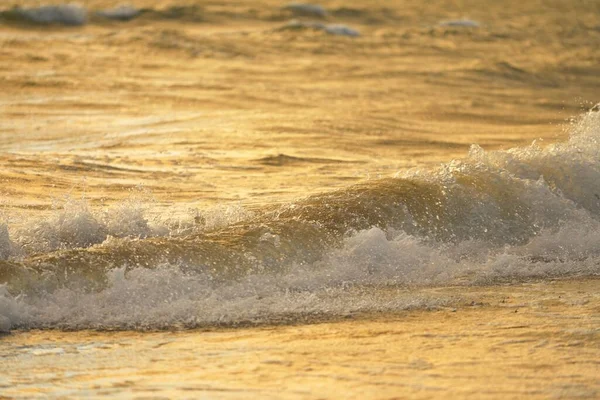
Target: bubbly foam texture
497 216
75 225
168 297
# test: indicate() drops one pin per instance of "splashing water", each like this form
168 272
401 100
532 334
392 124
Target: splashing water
524 213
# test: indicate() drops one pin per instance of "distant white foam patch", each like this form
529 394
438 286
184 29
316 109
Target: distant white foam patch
69 14
333 29
305 9
342 30
296 24
465 23
121 13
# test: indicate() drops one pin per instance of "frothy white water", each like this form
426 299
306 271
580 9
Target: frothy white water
169 297
75 225
524 213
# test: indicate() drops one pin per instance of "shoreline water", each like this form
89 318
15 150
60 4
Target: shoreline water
537 340
443 298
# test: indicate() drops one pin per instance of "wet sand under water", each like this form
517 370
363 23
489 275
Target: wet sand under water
536 340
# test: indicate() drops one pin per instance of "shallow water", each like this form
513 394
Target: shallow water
210 165
534 340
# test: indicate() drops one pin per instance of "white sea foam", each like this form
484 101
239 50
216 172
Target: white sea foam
168 297
332 29
463 23
11 312
127 219
67 14
121 13
313 10
341 30
74 225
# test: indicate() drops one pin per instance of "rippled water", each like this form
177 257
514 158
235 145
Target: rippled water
185 164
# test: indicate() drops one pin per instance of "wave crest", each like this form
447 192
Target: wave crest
498 216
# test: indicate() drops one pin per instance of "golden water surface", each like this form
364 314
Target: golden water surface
203 103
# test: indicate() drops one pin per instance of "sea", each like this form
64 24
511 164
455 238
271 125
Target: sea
263 199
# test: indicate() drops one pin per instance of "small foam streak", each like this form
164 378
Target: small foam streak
463 23
332 29
121 13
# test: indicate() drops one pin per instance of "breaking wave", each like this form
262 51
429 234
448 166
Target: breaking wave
527 212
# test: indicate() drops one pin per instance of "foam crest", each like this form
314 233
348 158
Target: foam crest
571 169
127 219
75 225
72 226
